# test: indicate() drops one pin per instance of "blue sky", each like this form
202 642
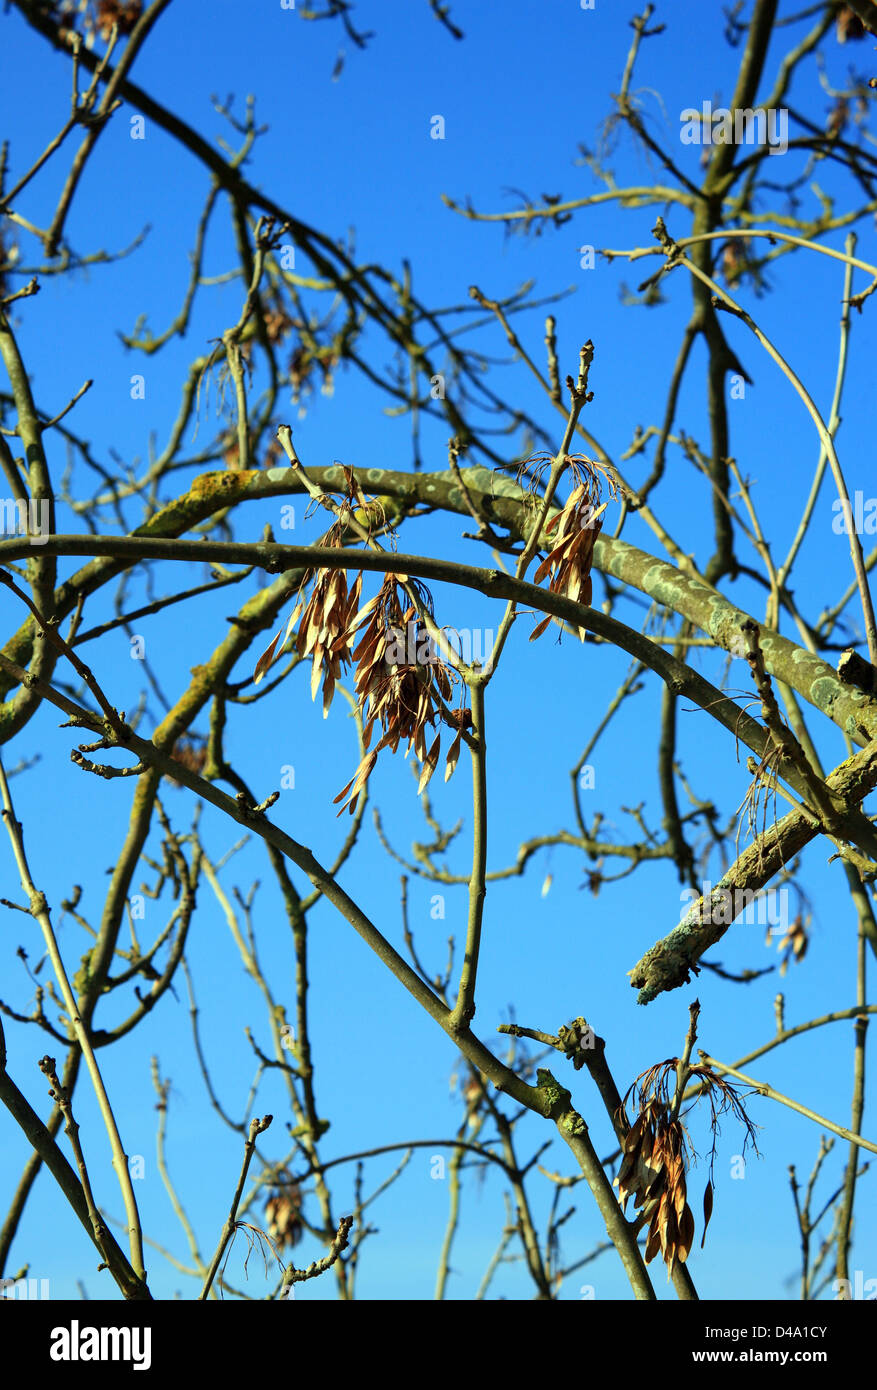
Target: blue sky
518 96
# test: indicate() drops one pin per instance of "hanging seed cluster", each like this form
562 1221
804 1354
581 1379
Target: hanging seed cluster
574 531
653 1173
401 684
324 630
283 1215
656 1158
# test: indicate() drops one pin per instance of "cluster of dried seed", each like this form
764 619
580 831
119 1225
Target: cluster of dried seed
794 943
99 17
283 1214
655 1156
323 632
848 25
575 529
401 684
192 755
653 1173
328 616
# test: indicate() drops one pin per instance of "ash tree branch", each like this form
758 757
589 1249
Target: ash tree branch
668 964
